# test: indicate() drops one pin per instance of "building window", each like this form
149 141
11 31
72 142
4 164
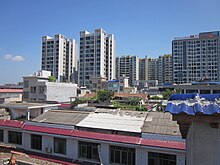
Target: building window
161 159
33 89
26 95
26 84
15 137
60 146
1 135
122 155
41 89
36 142
88 150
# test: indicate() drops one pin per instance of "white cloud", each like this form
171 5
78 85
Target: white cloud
17 58
14 58
8 56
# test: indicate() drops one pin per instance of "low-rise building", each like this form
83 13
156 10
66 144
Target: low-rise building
10 95
38 88
98 83
195 87
118 85
27 110
116 137
198 117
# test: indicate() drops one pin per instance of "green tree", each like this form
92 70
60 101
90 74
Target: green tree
167 93
104 95
134 100
52 79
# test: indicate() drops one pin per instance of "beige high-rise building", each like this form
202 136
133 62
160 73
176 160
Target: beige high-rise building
128 66
59 55
97 56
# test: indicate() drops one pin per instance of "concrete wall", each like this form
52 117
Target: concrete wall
203 144
60 92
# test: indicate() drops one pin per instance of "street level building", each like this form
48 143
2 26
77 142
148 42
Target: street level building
59 55
116 137
97 56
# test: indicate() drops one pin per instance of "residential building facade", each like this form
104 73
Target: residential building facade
196 57
73 136
59 55
143 68
128 66
97 56
38 88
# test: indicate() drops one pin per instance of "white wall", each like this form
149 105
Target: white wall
60 92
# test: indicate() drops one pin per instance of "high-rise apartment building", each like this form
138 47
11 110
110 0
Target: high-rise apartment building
156 69
97 56
164 69
143 68
196 57
59 55
128 66
152 68
167 68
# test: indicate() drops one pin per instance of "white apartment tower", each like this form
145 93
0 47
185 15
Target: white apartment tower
196 58
128 66
59 55
97 56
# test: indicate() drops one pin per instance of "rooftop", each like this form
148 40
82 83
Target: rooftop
192 104
26 105
114 119
61 117
160 123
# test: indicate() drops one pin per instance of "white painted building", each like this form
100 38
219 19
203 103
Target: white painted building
105 136
38 88
59 55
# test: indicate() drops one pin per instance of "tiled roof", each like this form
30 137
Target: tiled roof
89 95
11 90
140 95
192 104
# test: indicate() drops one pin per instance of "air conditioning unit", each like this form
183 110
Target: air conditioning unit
48 150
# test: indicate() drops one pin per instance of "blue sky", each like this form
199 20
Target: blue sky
141 27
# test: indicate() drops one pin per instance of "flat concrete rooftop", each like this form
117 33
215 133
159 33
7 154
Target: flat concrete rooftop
27 105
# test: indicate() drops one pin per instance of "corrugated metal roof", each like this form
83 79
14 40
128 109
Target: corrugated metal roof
113 119
192 104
